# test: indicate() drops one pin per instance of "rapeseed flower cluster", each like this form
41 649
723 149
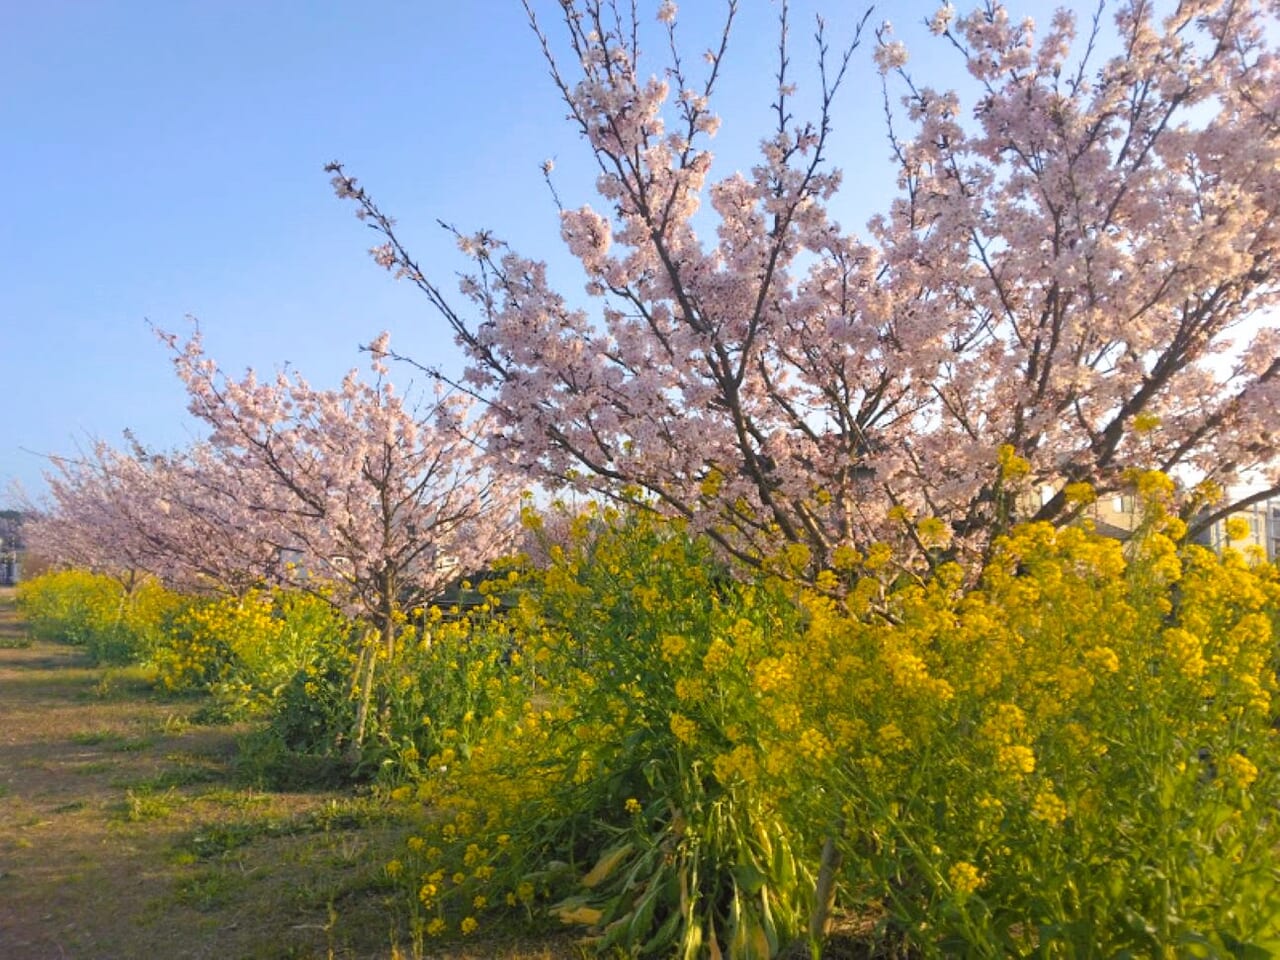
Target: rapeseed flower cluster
970 744
115 620
248 649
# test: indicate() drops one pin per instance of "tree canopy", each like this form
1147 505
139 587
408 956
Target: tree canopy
1046 305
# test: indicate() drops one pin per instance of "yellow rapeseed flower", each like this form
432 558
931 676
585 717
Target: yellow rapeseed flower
1242 770
718 656
684 728
964 878
1016 759
1237 528
1012 466
673 646
1048 806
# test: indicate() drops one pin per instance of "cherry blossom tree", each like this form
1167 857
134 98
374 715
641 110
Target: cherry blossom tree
376 505
1048 301
352 494
129 513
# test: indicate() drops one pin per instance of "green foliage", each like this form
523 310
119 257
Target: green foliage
447 676
1076 757
246 650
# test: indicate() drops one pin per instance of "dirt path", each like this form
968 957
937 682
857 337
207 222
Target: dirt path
123 833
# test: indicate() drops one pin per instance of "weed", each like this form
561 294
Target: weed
266 760
348 850
350 814
175 725
125 683
209 889
96 738
212 715
235 799
132 745
143 805
186 772
214 840
93 768
111 741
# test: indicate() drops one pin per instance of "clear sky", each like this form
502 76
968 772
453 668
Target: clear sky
163 159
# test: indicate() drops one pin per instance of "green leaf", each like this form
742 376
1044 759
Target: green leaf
1258 950
660 942
749 878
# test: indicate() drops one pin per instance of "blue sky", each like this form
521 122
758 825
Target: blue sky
164 159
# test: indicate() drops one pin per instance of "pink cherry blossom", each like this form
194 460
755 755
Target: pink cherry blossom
1067 254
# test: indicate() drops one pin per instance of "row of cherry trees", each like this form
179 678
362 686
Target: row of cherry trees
1059 276
1054 287
354 494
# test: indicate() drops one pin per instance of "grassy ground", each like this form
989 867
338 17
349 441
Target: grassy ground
125 833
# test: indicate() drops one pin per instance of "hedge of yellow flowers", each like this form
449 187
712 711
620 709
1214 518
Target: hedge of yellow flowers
287 658
117 621
246 649
1074 757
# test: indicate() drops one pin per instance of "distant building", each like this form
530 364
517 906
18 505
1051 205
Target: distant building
1264 528
10 547
1117 516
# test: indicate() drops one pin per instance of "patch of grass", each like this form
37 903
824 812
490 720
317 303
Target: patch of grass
187 771
264 760
132 682
95 738
112 741
143 805
132 745
212 715
354 813
93 768
14 643
209 890
272 874
175 725
216 839
235 799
